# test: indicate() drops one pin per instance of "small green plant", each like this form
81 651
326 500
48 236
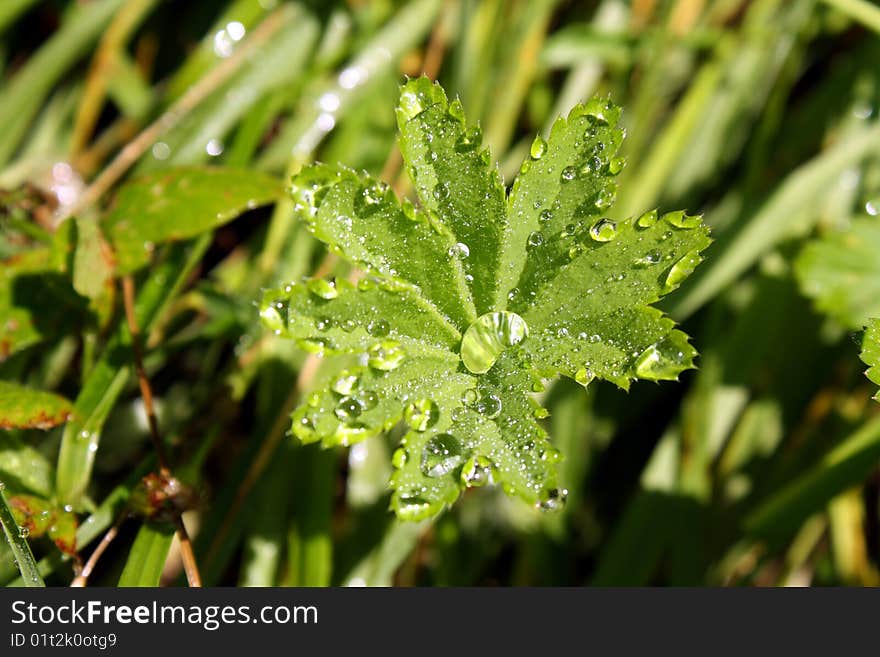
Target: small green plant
475 296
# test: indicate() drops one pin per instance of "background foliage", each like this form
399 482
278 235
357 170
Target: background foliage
758 468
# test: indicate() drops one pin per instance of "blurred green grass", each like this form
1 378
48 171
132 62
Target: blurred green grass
760 468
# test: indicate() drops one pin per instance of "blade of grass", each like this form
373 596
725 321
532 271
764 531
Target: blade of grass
866 13
147 556
28 89
844 466
20 548
733 254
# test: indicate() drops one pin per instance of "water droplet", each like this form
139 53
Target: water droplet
459 250
540 413
539 147
650 258
214 147
368 399
24 532
441 192
386 355
488 336
2 485
441 455
378 328
680 220
489 405
654 364
545 216
469 397
683 268
348 408
616 165
873 208
398 458
161 150
412 507
584 376
568 173
323 323
411 104
647 220
553 499
422 414
346 383
329 102
469 140
323 288
477 471
535 239
604 230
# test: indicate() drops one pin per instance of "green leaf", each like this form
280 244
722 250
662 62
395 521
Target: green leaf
841 271
24 408
557 287
37 300
38 516
455 182
23 468
178 204
871 353
361 219
147 556
17 540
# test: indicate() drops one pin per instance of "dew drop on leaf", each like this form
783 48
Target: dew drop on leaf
545 215
386 355
421 414
603 230
323 288
368 399
683 268
568 173
535 239
459 250
647 220
680 220
378 328
616 165
477 471
553 499
584 376
539 147
441 455
348 408
489 406
488 336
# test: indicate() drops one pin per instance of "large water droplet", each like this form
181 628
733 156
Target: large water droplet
655 365
603 230
584 376
647 220
535 239
568 173
412 507
345 383
368 399
489 405
378 328
545 216
459 250
422 414
441 455
386 355
683 268
411 104
616 165
488 336
323 288
348 408
553 499
680 220
539 147
477 471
